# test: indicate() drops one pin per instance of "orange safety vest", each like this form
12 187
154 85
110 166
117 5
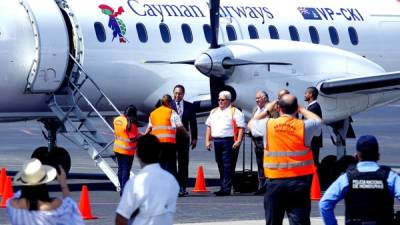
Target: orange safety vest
123 142
161 125
234 124
286 154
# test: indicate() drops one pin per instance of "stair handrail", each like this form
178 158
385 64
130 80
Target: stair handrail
95 84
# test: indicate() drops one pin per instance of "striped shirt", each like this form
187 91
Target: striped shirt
66 214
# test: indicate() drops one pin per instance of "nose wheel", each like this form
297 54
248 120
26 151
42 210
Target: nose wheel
52 154
57 156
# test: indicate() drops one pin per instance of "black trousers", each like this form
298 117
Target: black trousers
124 169
183 146
315 151
259 152
168 158
290 195
226 159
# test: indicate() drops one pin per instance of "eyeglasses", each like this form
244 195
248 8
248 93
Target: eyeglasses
221 100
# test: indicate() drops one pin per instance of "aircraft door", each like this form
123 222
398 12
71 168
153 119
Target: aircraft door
51 46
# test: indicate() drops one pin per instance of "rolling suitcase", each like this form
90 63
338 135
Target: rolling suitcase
246 181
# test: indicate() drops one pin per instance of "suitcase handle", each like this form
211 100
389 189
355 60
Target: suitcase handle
247 135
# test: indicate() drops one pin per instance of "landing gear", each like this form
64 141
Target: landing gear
332 166
53 155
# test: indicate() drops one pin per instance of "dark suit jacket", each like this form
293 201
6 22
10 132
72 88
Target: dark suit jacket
316 108
189 120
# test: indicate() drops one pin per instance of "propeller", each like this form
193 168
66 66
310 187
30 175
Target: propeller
218 62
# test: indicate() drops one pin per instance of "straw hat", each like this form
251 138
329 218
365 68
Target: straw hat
34 173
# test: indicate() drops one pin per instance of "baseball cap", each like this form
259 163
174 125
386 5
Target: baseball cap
367 144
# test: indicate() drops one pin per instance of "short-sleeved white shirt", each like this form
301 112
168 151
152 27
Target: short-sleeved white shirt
311 129
220 122
175 120
154 192
258 111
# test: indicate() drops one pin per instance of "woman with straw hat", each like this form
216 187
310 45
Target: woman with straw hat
33 205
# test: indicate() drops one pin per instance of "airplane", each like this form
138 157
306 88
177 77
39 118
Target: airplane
68 62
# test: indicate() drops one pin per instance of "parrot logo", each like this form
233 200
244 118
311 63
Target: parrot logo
116 24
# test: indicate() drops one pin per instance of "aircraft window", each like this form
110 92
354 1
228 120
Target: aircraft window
187 33
230 30
314 34
141 32
100 32
334 35
294 34
253 33
207 32
273 32
353 36
165 34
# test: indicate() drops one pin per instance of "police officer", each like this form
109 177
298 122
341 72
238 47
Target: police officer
126 134
368 189
288 160
225 128
164 122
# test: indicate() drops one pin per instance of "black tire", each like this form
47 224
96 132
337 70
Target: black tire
60 156
41 153
327 171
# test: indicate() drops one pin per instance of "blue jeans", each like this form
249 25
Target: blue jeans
124 169
226 159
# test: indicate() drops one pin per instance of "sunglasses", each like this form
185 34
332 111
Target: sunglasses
221 100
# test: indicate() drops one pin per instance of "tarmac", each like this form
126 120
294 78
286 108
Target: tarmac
19 139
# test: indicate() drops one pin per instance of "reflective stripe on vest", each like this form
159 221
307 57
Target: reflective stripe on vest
287 165
122 143
122 139
129 148
162 128
154 128
286 154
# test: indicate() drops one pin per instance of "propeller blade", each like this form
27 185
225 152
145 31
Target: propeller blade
214 22
216 86
186 62
241 62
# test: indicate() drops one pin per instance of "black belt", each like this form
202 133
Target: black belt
222 138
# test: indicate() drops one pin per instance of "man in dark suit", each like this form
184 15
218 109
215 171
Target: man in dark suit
187 113
310 96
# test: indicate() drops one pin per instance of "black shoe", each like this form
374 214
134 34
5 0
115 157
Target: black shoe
222 193
183 193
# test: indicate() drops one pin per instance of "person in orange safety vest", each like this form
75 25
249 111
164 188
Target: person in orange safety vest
126 133
288 160
164 123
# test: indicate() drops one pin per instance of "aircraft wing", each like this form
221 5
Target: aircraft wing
363 85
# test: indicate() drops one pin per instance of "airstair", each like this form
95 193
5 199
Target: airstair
78 112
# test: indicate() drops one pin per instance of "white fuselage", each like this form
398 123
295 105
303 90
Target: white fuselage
118 68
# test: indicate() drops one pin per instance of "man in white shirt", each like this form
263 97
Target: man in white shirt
225 126
261 101
149 197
